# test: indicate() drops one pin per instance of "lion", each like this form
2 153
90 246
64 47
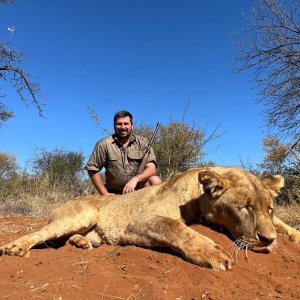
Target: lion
160 215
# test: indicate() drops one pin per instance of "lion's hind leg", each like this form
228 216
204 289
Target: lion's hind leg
80 241
87 240
193 246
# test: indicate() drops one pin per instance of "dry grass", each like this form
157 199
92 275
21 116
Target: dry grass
289 214
36 197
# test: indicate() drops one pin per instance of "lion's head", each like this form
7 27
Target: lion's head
243 204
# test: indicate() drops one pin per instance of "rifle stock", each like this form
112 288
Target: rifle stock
142 164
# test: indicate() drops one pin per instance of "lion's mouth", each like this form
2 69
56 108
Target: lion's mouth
255 246
260 249
263 248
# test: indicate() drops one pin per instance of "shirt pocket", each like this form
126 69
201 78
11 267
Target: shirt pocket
135 157
113 161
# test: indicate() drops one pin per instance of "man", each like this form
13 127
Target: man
121 155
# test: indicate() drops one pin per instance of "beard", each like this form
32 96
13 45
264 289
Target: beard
123 134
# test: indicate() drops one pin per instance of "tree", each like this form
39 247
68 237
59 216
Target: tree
281 160
275 155
178 146
271 49
61 167
12 72
8 166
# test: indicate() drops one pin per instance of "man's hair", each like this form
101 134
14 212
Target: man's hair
122 114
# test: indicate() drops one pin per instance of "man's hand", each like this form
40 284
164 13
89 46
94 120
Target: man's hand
107 194
131 185
97 181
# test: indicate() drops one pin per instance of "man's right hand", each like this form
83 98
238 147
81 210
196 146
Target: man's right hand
107 194
97 181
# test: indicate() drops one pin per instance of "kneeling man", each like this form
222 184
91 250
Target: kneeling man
121 154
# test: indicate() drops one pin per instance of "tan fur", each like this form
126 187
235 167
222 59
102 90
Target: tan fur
158 216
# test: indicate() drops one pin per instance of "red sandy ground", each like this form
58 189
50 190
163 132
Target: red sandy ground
114 272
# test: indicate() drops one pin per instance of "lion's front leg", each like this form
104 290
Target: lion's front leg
281 227
22 245
59 228
193 246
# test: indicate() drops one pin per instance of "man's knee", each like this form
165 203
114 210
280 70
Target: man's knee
153 180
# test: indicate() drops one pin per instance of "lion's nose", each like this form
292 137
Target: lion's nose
266 239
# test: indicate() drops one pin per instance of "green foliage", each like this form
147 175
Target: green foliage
177 146
57 177
59 166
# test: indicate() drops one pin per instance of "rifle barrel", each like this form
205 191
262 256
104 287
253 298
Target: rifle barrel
153 136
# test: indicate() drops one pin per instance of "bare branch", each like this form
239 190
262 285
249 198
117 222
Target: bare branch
270 47
12 72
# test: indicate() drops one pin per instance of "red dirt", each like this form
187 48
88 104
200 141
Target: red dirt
115 272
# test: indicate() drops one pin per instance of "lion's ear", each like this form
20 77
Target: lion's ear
213 184
274 183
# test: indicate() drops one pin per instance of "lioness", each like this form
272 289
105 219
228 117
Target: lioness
158 216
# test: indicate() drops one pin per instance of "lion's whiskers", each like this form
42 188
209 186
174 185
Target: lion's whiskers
241 243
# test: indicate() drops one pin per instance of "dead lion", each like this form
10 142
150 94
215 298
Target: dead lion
157 216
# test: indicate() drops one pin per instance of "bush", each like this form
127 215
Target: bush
58 176
61 167
178 146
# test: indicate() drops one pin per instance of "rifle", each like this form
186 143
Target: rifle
147 153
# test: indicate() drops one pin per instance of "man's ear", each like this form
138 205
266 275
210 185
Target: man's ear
273 183
213 184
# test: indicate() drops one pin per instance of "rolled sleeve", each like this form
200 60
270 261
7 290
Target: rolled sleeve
151 157
97 159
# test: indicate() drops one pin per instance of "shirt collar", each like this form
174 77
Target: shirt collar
132 139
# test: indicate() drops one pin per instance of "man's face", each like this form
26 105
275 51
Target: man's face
123 127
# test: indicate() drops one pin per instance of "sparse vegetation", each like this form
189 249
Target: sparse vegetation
289 214
178 146
57 179
282 159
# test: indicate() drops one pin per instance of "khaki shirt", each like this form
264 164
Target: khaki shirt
120 164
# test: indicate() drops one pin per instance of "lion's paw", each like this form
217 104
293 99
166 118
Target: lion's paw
212 257
220 260
80 241
15 248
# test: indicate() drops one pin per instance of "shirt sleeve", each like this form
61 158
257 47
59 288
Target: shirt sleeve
97 159
151 157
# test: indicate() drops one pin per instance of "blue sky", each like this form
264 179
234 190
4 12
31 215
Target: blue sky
144 56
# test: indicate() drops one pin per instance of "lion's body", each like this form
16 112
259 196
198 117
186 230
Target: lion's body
159 215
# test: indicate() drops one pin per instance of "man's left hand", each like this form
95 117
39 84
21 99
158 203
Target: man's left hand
131 185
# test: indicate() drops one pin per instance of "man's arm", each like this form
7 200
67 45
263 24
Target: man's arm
150 170
98 183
